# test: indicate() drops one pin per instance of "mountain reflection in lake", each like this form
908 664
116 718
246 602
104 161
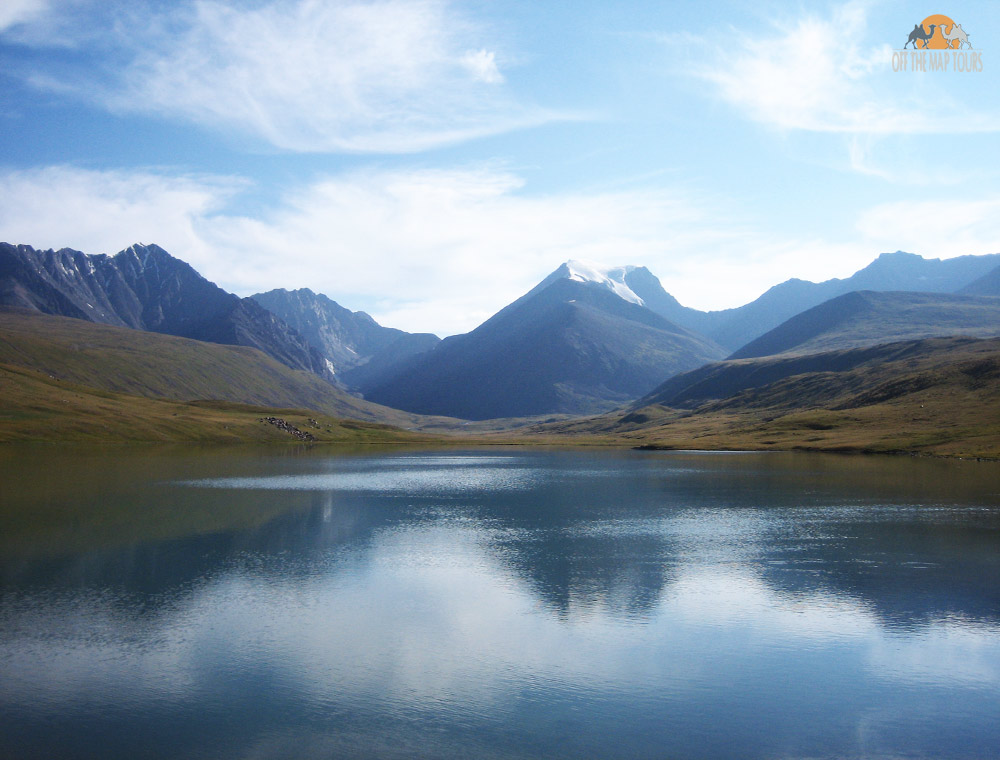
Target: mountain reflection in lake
502 603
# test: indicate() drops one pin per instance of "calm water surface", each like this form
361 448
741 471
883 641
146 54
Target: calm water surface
506 603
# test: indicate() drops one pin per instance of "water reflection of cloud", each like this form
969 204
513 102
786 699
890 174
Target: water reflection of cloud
416 483
736 597
455 460
430 621
961 651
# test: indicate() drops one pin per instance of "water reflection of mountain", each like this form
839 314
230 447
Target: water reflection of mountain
604 533
574 575
308 529
571 540
543 536
914 542
914 573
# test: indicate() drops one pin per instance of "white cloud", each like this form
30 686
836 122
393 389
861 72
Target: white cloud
14 12
817 75
104 212
483 65
943 228
390 76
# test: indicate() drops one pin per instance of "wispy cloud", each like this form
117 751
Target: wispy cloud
817 74
391 76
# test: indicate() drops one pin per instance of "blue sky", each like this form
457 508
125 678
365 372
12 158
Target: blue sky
429 161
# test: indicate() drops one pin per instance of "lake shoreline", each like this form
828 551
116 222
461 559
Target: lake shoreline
473 442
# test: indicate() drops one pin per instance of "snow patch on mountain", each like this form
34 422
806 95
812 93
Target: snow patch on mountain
611 278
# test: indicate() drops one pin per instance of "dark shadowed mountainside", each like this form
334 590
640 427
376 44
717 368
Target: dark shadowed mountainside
568 346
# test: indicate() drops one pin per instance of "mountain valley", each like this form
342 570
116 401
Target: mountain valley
589 354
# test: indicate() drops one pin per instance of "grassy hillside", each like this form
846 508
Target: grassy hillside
938 397
137 363
37 407
721 380
868 318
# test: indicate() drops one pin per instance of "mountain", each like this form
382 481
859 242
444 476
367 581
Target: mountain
633 283
579 342
732 377
145 288
37 407
121 360
938 396
359 350
899 271
867 318
987 285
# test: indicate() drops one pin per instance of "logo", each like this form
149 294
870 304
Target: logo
937 44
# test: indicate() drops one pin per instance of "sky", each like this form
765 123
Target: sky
430 161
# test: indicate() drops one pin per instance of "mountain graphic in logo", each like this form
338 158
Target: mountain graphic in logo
937 32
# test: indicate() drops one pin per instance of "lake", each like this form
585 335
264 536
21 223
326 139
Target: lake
496 603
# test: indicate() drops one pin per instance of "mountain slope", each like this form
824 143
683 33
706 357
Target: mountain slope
987 285
121 360
866 318
359 350
899 271
145 288
937 396
37 407
570 345
729 378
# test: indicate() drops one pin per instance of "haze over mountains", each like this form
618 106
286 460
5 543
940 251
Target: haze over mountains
585 340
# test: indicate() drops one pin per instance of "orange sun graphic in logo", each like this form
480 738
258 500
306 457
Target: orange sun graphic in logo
942 26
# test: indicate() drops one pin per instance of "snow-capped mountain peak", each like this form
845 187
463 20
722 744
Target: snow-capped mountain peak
612 278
